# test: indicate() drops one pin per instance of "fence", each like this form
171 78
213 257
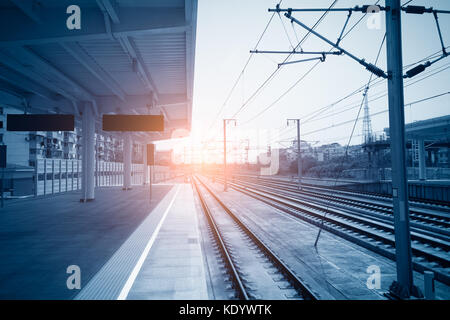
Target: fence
109 173
56 175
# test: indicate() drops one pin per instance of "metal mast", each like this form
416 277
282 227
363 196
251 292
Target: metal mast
367 125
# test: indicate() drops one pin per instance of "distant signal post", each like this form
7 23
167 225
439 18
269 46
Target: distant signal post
225 122
150 163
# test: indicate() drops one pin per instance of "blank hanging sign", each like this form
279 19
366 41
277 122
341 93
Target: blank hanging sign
40 122
128 122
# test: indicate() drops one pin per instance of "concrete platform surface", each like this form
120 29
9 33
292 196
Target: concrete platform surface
174 267
40 238
161 259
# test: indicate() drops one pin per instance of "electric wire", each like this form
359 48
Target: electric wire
374 82
284 132
350 138
301 78
272 75
377 96
242 72
373 114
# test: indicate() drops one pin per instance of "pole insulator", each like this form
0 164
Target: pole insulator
375 70
363 9
416 9
416 70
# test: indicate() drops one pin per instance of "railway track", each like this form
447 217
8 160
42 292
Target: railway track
429 252
441 206
439 228
431 216
253 269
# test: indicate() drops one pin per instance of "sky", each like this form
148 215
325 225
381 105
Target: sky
227 30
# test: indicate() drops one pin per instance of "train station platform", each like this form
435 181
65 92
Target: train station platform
41 237
162 259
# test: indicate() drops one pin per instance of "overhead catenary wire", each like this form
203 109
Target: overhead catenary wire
336 139
376 81
301 78
272 75
350 138
373 114
242 72
422 67
359 90
295 32
287 129
285 31
369 66
431 56
377 96
373 83
352 120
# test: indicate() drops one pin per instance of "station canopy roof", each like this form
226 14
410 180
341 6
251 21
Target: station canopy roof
128 57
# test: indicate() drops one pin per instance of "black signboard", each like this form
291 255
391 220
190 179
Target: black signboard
127 122
40 122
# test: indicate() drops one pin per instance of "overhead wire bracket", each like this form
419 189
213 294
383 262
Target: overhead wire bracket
370 67
421 67
363 9
439 32
284 28
345 25
298 52
322 59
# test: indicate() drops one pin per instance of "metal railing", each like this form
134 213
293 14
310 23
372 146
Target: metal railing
56 175
59 175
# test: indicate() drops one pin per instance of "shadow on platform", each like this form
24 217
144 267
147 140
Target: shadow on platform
40 238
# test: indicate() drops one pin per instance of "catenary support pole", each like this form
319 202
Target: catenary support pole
403 287
299 157
225 122
225 155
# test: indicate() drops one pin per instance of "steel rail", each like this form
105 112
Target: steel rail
235 278
334 225
305 292
382 215
372 224
423 203
441 220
